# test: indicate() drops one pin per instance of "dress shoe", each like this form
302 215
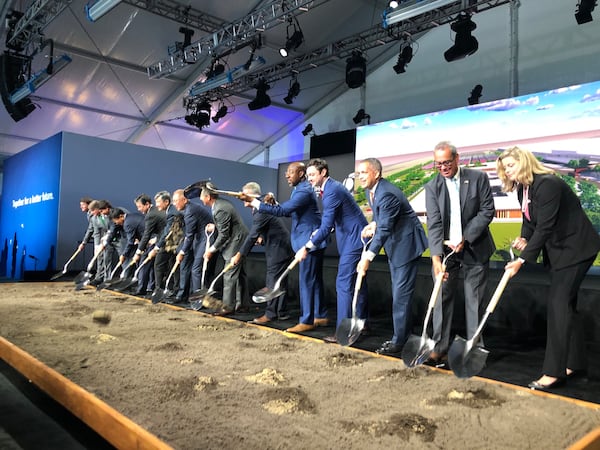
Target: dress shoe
389 348
536 386
438 359
223 312
242 309
284 316
321 322
261 320
301 327
330 340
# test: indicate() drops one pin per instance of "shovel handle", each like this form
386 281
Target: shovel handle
173 269
70 260
498 292
91 263
285 273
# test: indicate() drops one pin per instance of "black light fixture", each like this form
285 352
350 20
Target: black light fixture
293 41
360 116
221 112
404 57
200 118
262 100
216 69
308 129
475 94
584 11
464 43
356 70
293 91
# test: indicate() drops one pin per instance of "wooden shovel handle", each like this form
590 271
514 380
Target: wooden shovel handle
498 292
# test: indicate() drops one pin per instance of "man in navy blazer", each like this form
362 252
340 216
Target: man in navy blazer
396 228
342 214
460 207
302 208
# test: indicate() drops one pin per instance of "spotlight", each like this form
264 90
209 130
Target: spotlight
201 116
215 70
360 116
293 91
584 11
464 43
475 95
393 4
262 100
405 56
356 69
308 129
221 112
295 40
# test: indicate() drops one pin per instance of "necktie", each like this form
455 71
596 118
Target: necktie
525 203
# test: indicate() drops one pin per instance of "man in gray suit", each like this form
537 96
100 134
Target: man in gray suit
459 208
231 234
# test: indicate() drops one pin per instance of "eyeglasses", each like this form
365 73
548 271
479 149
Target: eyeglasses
445 164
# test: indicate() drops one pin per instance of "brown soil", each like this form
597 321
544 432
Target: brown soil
197 381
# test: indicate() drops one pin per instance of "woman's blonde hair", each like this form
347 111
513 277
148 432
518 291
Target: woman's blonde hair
528 166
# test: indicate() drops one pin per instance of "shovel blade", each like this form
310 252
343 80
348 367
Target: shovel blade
349 331
82 277
198 295
266 294
466 362
417 350
57 275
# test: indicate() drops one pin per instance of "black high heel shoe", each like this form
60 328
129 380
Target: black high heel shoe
536 386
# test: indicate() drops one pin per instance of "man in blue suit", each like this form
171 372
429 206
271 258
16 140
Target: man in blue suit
340 212
303 209
396 228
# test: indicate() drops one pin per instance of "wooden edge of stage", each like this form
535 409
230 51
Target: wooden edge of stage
590 441
113 426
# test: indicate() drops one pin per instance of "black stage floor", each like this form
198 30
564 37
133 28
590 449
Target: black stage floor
29 419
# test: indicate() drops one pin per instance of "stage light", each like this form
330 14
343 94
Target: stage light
293 41
405 56
393 4
221 112
200 118
293 91
584 11
416 8
464 43
308 129
356 70
360 116
262 100
475 94
96 9
38 79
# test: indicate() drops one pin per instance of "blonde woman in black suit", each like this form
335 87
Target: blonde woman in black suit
553 223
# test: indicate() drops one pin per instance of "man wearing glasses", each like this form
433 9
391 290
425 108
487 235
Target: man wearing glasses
459 208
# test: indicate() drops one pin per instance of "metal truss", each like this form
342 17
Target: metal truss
373 37
272 13
34 20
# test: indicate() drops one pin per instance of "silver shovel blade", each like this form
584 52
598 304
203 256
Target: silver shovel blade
417 350
349 331
266 294
466 362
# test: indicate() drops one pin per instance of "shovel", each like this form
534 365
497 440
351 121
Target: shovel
267 294
159 294
418 349
202 297
106 283
464 358
114 284
83 278
57 275
127 283
211 187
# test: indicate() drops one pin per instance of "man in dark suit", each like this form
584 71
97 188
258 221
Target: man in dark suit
190 253
231 233
132 225
555 224
278 252
302 208
154 224
396 228
460 207
342 214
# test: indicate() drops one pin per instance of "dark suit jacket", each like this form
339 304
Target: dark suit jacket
195 217
133 226
154 224
231 231
558 224
276 238
340 211
477 211
302 208
398 230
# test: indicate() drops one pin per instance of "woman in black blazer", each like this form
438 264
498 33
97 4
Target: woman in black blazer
555 224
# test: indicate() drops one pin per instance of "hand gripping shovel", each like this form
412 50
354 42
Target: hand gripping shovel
57 275
267 294
349 329
159 294
464 359
83 278
206 299
418 349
